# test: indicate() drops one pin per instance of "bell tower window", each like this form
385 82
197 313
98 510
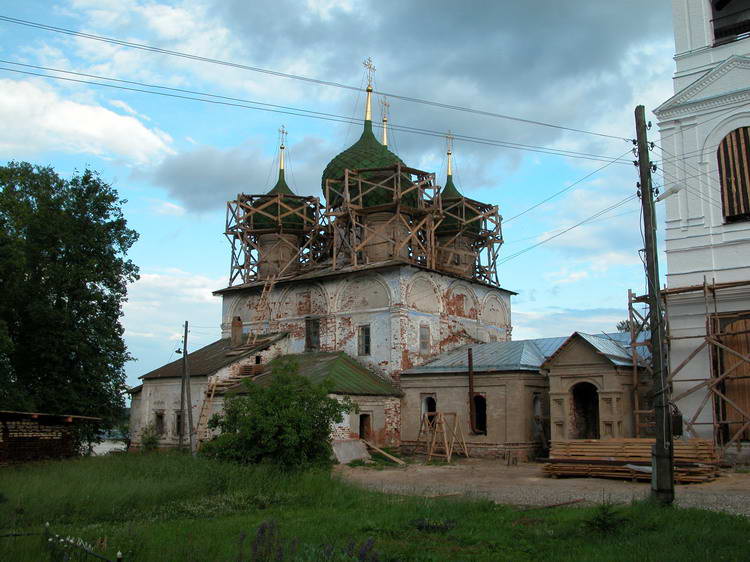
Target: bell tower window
733 157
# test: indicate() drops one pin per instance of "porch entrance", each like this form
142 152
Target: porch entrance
584 401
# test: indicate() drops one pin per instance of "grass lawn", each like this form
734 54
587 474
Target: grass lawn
167 507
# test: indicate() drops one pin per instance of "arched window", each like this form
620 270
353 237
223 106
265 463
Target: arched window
480 414
733 156
429 406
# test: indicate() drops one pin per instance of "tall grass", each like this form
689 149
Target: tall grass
174 507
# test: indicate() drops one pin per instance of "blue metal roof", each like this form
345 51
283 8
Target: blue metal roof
609 347
521 355
526 355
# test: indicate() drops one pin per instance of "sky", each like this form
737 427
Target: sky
582 65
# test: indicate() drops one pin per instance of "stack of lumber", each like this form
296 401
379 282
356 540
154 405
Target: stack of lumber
695 460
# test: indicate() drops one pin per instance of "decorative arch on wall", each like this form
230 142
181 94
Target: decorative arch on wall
461 301
422 294
240 307
494 311
305 300
363 293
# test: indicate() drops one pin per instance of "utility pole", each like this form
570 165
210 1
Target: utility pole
186 382
182 410
662 477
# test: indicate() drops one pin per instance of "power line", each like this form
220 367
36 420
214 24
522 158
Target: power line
516 240
584 221
568 188
153 49
288 110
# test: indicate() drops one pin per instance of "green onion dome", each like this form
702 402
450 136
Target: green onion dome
367 152
290 221
450 196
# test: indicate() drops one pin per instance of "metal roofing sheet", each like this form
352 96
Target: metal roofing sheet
341 372
521 355
547 346
212 357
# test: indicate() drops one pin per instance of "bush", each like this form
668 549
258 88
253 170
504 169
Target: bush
149 438
287 422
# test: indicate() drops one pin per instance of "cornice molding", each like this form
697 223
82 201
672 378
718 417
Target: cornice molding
683 101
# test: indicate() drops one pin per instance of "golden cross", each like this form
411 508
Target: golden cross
367 63
449 141
385 104
282 136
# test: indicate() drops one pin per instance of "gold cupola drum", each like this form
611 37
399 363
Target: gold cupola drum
268 231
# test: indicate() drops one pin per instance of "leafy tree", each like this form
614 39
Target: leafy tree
64 276
287 422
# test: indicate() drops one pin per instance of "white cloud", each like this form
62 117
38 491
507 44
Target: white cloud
555 322
127 109
35 118
565 276
166 208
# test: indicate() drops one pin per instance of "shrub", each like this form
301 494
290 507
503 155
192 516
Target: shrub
605 520
288 422
149 438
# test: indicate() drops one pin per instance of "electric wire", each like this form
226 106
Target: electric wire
578 224
565 189
288 110
154 49
609 217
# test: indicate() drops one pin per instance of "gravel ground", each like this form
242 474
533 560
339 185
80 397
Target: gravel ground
525 485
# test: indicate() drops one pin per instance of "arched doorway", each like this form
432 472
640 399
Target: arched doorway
584 403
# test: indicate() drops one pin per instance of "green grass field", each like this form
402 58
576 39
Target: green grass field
167 507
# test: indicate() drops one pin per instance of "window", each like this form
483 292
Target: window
424 339
429 406
731 20
480 414
159 423
258 359
363 343
733 155
312 334
177 423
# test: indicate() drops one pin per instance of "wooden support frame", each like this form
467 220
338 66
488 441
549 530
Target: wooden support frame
248 217
439 435
711 340
418 210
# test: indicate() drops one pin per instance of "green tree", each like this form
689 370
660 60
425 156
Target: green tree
64 276
288 422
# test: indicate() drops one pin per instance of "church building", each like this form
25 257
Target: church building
383 273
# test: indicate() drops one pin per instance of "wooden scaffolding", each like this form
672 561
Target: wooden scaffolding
416 209
726 387
440 434
249 217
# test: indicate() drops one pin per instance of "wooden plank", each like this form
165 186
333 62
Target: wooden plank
382 452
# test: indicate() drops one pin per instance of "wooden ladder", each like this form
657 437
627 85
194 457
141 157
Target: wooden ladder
201 430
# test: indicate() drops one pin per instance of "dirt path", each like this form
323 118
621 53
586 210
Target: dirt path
525 485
